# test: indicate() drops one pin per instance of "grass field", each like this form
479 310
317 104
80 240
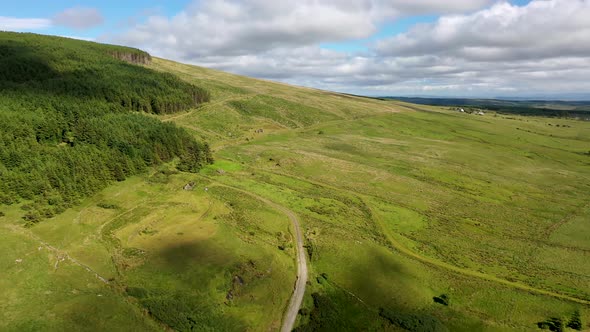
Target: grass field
191 257
400 204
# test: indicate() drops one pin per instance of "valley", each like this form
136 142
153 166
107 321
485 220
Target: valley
398 204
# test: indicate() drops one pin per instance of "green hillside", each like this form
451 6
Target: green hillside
413 217
71 122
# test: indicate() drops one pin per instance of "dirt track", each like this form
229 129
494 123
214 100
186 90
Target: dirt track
290 315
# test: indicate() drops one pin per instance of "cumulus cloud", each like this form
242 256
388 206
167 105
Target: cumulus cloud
425 7
79 18
542 29
541 47
476 47
232 27
237 28
14 24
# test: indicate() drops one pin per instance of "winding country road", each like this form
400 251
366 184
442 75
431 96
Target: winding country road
290 315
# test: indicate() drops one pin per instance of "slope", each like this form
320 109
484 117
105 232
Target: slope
70 120
482 194
399 204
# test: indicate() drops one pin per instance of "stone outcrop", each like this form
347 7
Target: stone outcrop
138 58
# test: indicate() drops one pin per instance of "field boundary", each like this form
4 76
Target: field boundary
60 255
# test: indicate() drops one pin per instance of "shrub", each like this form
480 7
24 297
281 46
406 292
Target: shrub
132 252
442 299
173 312
8 200
137 292
27 207
552 324
47 212
323 317
413 321
183 312
309 248
108 206
304 311
32 216
575 321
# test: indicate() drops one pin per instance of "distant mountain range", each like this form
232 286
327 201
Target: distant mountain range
558 108
580 96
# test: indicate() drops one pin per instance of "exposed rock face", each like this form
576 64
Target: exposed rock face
139 58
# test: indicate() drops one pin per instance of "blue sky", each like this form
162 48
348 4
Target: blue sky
111 9
118 14
464 48
115 13
386 29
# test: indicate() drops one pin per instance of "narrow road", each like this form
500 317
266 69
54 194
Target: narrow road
299 291
290 315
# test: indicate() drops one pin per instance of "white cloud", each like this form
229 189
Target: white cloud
13 23
503 49
79 18
232 27
239 28
426 7
542 29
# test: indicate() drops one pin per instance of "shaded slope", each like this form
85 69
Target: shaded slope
51 67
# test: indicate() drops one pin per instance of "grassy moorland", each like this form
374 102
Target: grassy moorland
414 217
402 203
192 258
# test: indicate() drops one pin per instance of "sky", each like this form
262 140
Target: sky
458 48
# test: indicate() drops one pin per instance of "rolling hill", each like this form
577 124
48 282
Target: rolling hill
413 217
